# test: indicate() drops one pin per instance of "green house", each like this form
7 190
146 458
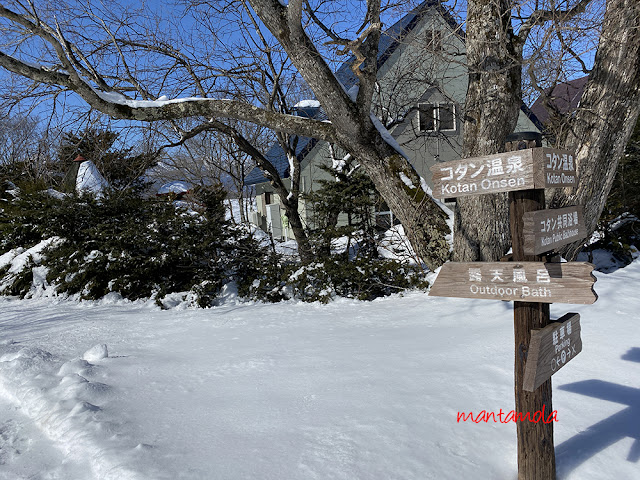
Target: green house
422 84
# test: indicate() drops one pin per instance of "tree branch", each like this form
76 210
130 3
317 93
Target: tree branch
540 17
369 51
118 106
285 24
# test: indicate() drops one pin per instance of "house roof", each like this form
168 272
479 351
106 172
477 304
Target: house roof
566 97
390 39
278 158
177 187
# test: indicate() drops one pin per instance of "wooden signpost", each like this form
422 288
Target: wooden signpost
529 281
504 172
547 230
518 281
550 349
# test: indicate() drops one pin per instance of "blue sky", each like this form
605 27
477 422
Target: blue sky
175 27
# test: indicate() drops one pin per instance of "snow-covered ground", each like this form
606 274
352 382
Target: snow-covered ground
349 390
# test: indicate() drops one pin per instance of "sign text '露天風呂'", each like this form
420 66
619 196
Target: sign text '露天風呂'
517 281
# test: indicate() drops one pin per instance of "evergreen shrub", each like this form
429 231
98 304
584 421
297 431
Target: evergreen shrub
137 247
354 271
148 248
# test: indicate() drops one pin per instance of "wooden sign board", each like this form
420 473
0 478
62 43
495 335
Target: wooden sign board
550 349
518 281
545 230
503 172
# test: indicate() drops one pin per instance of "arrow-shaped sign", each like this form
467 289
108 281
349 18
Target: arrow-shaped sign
546 230
550 349
505 172
570 282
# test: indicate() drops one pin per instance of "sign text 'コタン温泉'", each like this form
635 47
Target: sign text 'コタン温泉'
503 172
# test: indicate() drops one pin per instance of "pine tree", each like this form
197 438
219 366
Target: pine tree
119 166
352 194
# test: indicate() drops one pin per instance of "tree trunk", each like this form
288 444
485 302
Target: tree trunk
423 220
242 201
299 234
608 112
481 229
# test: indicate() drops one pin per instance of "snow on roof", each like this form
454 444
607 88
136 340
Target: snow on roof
307 104
174 187
89 179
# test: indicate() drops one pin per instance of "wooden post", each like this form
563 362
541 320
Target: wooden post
536 455
525 175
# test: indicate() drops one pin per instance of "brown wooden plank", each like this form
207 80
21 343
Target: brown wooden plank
546 230
554 168
501 172
551 348
504 172
518 281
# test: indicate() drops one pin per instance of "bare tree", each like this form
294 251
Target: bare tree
25 150
120 62
213 157
608 112
497 34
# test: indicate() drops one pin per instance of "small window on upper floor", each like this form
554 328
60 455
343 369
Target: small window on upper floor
433 40
437 117
427 115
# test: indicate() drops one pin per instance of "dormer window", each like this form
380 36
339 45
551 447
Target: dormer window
433 40
437 117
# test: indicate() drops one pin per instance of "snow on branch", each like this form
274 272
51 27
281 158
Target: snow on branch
117 105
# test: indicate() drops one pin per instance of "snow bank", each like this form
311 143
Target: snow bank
70 405
19 259
296 391
95 353
174 187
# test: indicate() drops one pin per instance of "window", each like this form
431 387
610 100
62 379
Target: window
437 117
433 40
446 118
427 113
268 198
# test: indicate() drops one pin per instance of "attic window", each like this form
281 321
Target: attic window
436 117
433 40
